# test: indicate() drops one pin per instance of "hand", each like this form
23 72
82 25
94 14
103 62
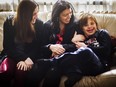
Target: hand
80 44
22 66
75 38
29 63
57 49
78 38
54 55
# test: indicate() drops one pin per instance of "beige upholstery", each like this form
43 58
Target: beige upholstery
105 21
107 79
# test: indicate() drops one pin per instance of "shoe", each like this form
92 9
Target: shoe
72 80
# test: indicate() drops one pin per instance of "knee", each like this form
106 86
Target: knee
86 50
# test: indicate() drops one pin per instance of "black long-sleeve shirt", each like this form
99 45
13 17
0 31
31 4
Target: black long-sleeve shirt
101 46
18 51
49 37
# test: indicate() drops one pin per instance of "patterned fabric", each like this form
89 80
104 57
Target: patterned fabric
93 42
60 39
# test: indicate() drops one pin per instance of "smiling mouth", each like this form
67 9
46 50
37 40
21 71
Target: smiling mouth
67 20
90 31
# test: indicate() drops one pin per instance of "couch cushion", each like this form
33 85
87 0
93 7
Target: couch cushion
1 38
107 79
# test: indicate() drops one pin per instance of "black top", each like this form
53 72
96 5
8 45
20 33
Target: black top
21 51
101 44
50 36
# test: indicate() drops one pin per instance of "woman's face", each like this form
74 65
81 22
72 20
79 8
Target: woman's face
35 15
65 16
90 28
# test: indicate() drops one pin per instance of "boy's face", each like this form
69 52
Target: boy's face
90 28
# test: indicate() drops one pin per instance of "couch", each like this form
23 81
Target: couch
105 21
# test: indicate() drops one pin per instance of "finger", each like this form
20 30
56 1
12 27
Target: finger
59 53
61 49
19 66
77 46
25 67
75 33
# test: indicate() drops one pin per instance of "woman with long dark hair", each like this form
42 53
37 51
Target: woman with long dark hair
22 39
58 33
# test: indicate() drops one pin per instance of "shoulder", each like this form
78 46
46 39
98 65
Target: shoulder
103 34
8 23
39 22
103 31
9 19
48 23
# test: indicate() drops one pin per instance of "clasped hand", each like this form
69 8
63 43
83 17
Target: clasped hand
25 65
57 49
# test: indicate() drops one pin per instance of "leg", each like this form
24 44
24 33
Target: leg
74 75
37 73
52 78
85 62
19 78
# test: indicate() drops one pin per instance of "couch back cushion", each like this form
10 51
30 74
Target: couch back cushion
105 21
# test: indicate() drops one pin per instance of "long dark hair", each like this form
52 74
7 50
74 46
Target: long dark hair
59 7
25 32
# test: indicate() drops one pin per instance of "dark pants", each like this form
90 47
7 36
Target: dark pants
52 78
37 73
20 77
85 60
74 66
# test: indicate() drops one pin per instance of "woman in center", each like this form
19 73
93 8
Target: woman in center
58 33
